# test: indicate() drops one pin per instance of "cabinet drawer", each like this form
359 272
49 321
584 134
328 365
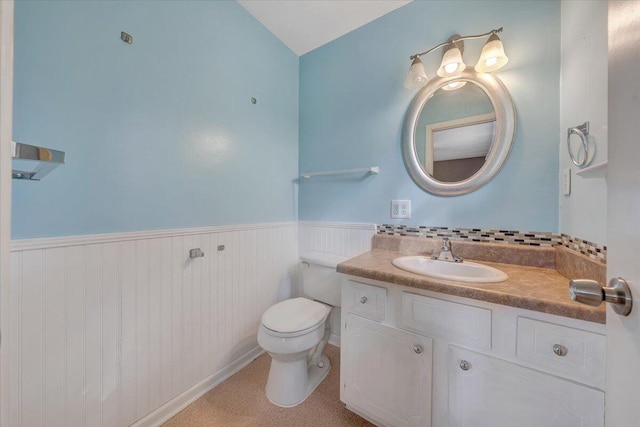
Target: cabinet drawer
579 355
368 301
458 323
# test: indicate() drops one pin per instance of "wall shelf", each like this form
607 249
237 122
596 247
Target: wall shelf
599 170
33 163
373 170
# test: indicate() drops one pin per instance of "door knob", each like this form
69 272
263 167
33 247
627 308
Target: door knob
363 300
590 292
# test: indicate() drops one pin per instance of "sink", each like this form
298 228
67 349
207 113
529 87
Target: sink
459 271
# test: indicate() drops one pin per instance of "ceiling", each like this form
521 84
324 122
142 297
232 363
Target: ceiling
304 25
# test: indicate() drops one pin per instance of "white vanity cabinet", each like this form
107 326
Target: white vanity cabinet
485 391
387 372
417 358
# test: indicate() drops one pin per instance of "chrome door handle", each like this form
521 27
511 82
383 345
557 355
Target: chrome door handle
417 348
464 365
590 292
363 300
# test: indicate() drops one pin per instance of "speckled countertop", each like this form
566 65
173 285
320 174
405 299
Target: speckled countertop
531 288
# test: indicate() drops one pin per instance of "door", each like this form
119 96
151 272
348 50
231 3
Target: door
488 392
6 106
387 373
623 210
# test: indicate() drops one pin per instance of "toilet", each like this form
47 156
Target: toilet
294 332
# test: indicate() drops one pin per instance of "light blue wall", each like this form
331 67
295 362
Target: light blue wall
352 104
158 134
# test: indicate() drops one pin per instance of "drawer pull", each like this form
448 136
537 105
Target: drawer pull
363 300
560 350
464 365
418 349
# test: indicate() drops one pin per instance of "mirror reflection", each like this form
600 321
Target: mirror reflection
455 131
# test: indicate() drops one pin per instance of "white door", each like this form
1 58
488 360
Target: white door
623 229
387 373
6 105
488 392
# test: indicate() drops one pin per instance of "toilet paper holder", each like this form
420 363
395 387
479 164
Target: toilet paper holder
196 253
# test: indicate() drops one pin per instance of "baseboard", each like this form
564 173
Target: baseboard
334 339
177 404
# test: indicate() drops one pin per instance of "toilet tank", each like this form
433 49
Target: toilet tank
319 278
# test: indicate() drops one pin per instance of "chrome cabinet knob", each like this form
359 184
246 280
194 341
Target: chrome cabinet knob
363 300
590 292
464 365
418 349
560 350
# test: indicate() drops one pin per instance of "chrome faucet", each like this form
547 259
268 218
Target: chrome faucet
445 252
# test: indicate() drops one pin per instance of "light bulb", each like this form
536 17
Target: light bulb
450 68
491 61
492 57
452 63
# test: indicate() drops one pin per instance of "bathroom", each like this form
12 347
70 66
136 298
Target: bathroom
196 135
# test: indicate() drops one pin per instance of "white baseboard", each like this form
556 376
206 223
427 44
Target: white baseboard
334 339
177 404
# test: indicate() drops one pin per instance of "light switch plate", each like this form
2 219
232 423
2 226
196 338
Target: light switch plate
401 209
566 181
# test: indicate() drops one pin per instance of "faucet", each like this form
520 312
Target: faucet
445 252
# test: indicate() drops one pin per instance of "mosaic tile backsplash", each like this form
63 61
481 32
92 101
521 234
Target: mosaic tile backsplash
531 238
590 249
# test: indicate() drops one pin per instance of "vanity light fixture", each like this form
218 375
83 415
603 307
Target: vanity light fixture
492 58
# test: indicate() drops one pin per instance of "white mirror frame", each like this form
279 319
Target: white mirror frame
500 147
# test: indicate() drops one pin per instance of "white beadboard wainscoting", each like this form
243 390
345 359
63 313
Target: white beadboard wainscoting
339 238
117 329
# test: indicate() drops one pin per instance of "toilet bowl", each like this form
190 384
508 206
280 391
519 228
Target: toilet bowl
294 332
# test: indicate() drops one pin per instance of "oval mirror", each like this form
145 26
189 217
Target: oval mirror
457 132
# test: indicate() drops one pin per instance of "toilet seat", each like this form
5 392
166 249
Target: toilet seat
294 317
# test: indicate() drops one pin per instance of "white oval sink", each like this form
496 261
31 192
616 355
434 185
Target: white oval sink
459 271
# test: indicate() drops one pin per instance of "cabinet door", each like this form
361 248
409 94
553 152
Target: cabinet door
386 372
489 392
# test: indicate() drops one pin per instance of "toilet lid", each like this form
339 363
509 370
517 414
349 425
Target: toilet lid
294 315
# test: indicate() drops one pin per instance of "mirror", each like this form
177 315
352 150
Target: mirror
458 132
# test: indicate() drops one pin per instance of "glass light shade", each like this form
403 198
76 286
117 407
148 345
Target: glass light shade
452 63
417 76
492 56
454 85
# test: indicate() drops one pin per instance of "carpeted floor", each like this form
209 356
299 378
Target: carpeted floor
241 401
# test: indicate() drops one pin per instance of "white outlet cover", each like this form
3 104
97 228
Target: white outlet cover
401 209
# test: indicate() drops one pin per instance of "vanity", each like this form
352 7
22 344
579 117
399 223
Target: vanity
421 351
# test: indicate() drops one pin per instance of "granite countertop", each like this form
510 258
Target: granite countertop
531 288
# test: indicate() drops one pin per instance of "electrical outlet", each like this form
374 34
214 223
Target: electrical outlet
566 182
401 209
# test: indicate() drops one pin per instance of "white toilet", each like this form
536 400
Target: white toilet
292 328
